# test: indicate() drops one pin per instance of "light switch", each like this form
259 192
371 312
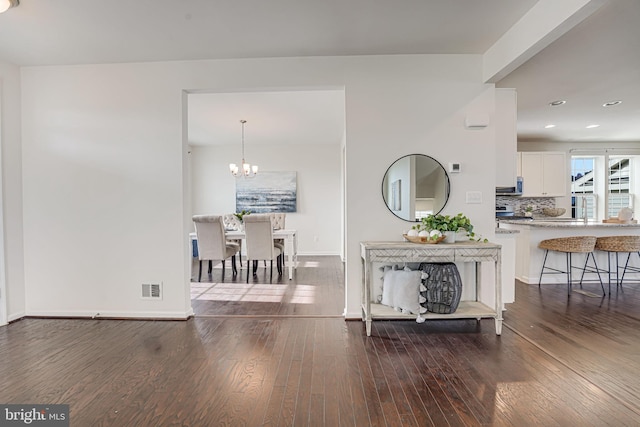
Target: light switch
474 197
454 167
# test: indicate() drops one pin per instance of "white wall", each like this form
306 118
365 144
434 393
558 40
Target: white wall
318 215
104 175
414 105
13 297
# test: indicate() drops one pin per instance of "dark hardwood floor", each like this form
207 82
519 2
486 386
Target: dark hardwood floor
560 362
317 289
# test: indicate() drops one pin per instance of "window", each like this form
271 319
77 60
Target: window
583 199
602 185
618 195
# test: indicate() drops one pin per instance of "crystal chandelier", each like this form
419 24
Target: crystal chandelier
247 169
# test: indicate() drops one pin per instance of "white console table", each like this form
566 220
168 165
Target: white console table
401 252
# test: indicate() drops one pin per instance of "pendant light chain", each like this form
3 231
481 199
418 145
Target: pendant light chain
245 169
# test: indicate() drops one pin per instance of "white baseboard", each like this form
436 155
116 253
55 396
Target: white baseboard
316 254
15 316
164 315
356 315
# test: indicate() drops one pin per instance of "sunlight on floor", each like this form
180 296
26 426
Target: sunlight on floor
252 292
308 264
303 294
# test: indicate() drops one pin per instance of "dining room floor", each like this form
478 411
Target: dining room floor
316 289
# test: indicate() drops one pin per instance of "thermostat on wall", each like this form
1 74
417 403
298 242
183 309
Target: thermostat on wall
454 167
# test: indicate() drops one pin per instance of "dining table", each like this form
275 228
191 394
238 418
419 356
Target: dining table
289 236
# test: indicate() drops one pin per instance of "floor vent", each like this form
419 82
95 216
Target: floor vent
151 291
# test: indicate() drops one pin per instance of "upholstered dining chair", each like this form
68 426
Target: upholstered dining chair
231 222
213 244
277 222
259 243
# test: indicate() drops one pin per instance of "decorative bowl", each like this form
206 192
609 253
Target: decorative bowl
553 211
423 239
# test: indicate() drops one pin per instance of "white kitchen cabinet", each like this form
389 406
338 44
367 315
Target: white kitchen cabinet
545 174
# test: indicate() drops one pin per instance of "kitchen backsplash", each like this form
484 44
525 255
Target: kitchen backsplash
520 203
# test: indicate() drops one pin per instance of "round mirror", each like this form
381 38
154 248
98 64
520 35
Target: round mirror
415 186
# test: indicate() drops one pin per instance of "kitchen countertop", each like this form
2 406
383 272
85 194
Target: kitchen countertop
566 223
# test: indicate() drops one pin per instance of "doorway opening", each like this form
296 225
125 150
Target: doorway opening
296 130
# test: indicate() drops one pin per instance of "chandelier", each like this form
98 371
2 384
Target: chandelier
247 169
8 4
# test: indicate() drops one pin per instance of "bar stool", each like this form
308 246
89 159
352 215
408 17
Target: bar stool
569 246
618 245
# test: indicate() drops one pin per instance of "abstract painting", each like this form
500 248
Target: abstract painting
267 192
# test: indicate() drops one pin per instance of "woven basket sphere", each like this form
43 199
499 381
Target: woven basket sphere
618 243
553 211
569 244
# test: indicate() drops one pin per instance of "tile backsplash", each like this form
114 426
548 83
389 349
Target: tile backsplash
520 203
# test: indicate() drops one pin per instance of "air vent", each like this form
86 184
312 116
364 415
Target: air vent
152 291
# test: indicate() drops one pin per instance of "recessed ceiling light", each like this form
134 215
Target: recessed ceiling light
556 103
592 126
611 103
549 126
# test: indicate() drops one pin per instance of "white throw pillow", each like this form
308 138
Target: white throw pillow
401 290
378 279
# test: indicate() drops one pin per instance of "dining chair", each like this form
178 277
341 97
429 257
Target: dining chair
213 244
277 222
259 243
231 222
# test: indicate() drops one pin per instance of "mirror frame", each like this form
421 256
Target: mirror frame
447 190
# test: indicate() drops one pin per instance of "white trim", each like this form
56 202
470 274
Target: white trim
168 315
4 301
353 316
16 316
318 254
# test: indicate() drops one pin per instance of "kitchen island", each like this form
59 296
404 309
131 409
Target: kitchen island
529 257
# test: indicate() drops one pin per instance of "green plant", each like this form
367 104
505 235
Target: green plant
444 223
242 213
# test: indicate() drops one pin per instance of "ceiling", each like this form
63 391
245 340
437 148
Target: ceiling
595 62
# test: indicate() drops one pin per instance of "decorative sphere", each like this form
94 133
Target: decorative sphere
435 233
412 232
423 233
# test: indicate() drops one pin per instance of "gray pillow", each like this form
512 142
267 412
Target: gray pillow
401 290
